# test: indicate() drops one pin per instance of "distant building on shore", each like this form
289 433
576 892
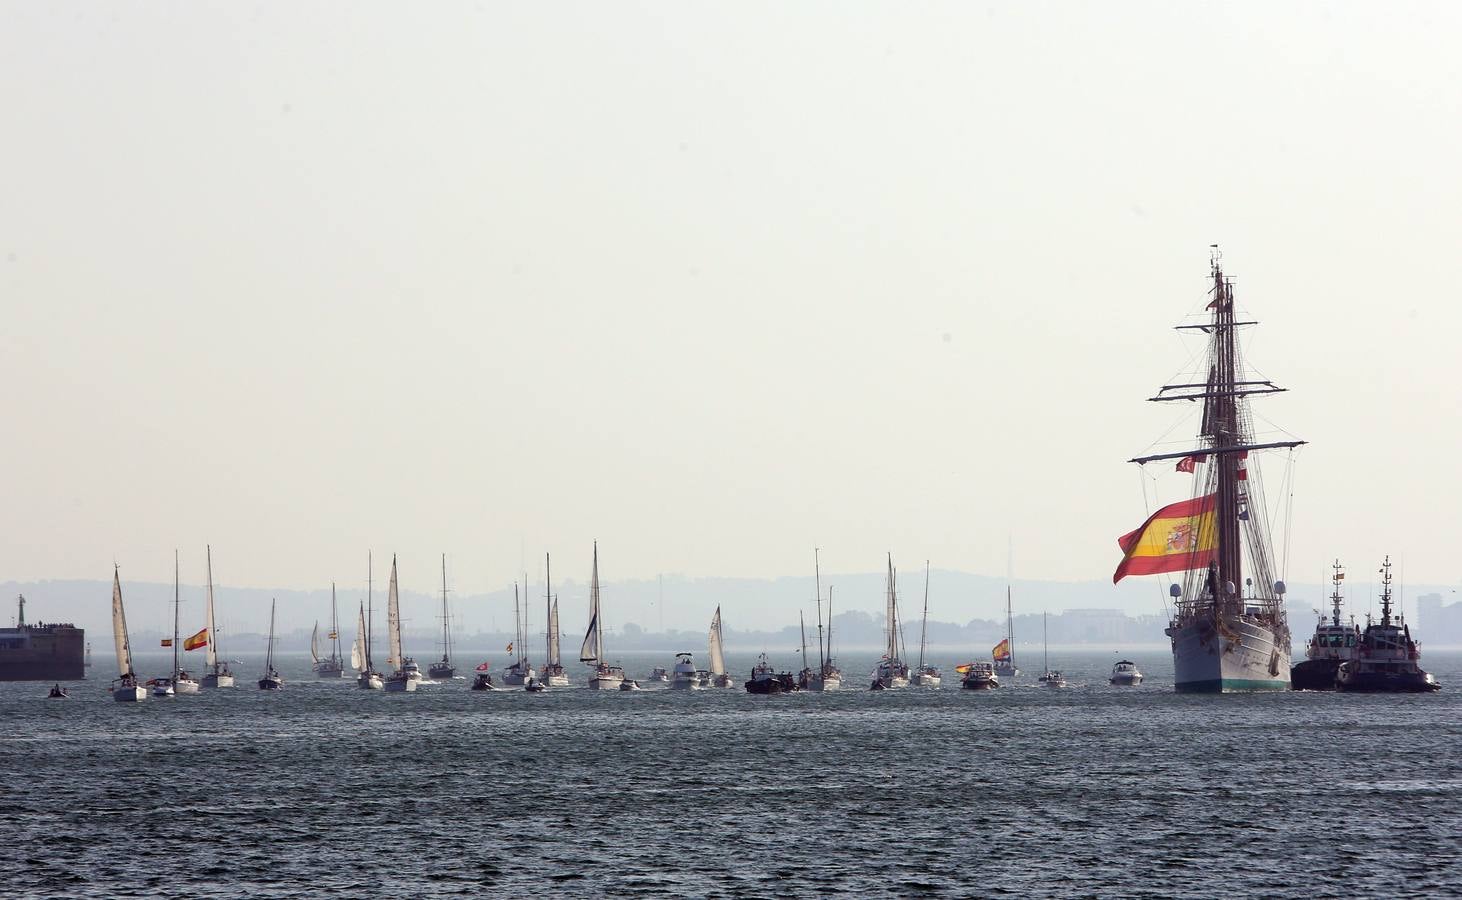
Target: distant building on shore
1438 623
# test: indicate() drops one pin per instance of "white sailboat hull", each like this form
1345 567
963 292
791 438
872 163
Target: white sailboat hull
371 682
606 682
556 680
218 681
828 683
133 694
186 686
1247 658
404 685
926 680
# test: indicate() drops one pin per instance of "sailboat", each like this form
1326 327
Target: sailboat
892 672
553 673
443 667
1228 631
272 681
366 675
520 670
807 675
925 675
1003 653
717 676
1050 678
828 677
179 682
126 687
218 675
334 666
605 677
406 675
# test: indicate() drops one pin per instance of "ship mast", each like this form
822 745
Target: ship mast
1386 593
1335 594
817 589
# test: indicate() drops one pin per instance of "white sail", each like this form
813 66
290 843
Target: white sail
315 643
357 649
119 627
393 619
718 661
553 654
593 649
212 635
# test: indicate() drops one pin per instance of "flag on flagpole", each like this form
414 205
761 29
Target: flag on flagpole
198 640
963 668
483 668
333 635
1001 650
1177 537
510 646
1187 463
167 642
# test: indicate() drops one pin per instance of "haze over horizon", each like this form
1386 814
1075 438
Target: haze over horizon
713 286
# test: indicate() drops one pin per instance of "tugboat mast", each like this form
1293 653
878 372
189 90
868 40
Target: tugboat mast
1335 594
1386 592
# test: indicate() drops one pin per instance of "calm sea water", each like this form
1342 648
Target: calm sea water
1024 791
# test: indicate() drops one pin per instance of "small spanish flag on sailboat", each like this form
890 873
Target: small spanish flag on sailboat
1177 537
198 640
1001 650
167 642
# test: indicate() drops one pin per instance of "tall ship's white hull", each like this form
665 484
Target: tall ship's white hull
1246 657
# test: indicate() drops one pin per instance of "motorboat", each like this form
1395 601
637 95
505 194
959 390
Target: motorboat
1386 659
629 684
978 676
534 686
686 677
1126 674
766 680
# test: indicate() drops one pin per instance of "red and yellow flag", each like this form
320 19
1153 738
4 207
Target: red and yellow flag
198 640
1177 537
1001 650
167 642
964 668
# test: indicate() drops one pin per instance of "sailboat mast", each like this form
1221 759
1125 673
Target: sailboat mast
598 617
889 614
370 575
334 627
177 601
446 634
802 620
817 589
517 624
829 622
548 657
212 625
1009 627
1045 646
924 628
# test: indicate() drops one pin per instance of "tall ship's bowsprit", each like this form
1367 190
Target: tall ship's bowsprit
1228 629
1332 644
1386 659
46 651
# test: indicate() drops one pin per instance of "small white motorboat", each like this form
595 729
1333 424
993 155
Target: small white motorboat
1126 674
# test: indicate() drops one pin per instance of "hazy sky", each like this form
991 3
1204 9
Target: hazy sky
711 283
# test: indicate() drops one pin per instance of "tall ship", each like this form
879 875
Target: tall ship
407 673
553 674
605 677
217 674
332 666
925 674
126 688
1002 655
443 667
1332 644
716 675
892 671
44 651
1228 628
1386 658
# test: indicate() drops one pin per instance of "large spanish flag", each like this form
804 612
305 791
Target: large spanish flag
198 640
1001 650
1177 537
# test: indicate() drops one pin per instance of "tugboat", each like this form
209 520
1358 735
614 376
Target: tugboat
1331 645
1386 658
1126 674
978 676
765 680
